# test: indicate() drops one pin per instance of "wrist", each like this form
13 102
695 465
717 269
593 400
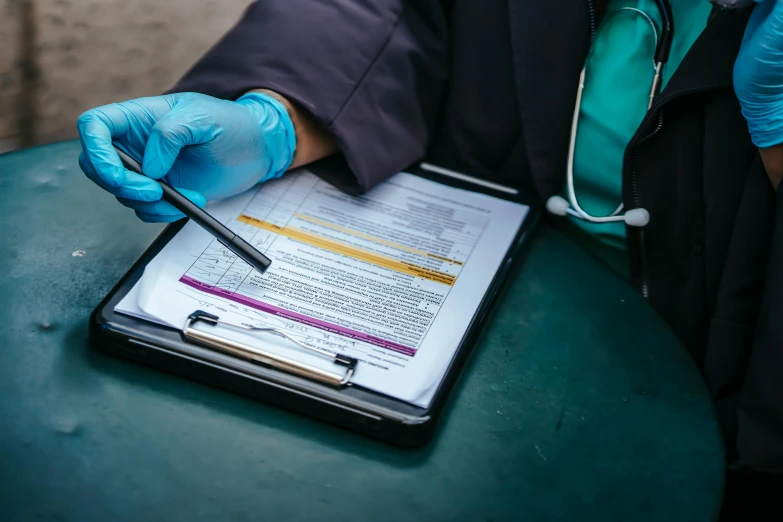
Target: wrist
772 157
277 128
313 141
765 121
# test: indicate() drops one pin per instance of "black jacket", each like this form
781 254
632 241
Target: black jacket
488 88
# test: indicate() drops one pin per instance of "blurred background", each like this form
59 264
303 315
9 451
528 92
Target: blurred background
59 58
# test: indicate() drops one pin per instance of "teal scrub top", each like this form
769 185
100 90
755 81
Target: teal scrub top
618 78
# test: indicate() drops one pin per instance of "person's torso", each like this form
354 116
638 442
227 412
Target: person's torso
507 117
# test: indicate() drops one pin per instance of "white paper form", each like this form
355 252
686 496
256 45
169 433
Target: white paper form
391 278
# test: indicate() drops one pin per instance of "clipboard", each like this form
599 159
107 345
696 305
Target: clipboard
198 354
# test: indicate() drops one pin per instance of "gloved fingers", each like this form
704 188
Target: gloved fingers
127 123
161 207
162 211
154 212
186 124
126 118
158 218
134 186
96 131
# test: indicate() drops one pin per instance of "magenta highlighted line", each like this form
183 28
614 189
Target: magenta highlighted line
299 318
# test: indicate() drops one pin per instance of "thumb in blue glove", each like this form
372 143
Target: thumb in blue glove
205 147
758 74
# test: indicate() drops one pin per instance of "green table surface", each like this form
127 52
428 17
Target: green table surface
579 404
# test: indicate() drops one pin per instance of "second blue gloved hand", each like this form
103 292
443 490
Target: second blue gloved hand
758 73
205 147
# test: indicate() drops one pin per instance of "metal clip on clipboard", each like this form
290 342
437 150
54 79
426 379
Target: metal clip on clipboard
270 359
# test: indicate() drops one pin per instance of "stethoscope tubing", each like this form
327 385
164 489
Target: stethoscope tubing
662 46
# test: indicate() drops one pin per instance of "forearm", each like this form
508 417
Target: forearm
772 157
313 142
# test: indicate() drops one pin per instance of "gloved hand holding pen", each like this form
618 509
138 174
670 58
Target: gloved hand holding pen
205 147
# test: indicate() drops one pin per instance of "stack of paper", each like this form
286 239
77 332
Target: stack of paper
391 278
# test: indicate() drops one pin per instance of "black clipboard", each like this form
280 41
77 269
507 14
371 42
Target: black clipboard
391 420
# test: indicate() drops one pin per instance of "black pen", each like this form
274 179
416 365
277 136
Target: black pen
231 241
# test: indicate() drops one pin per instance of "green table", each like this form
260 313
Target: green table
579 404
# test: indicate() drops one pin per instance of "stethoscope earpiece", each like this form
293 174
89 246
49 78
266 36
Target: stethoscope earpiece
557 205
636 217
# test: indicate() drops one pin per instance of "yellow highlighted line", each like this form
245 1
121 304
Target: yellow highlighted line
375 239
351 251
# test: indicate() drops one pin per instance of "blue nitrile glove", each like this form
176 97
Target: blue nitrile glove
758 73
206 147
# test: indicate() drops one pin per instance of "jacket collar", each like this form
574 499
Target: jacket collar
550 41
709 64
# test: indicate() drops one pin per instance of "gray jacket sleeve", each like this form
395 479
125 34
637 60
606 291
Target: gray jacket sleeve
370 71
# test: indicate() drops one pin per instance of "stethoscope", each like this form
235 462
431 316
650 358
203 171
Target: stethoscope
637 217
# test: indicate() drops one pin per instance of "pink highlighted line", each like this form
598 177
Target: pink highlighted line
299 318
